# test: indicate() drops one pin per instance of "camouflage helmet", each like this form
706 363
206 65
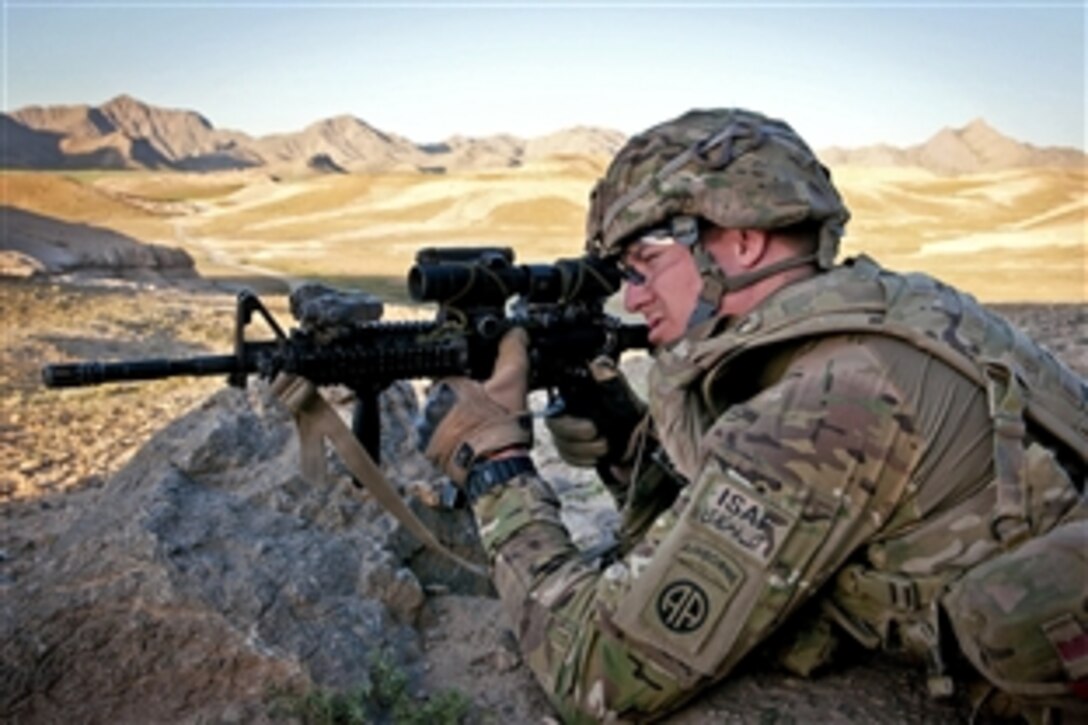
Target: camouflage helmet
734 168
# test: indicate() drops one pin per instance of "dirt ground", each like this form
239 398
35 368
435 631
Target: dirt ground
55 440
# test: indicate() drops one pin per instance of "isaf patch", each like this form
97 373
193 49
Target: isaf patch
733 510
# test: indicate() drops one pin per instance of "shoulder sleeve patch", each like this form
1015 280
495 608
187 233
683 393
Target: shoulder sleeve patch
678 611
730 508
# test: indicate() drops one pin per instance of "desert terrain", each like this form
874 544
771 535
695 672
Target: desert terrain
1015 238
1016 235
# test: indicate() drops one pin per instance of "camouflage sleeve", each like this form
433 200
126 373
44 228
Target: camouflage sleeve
792 481
653 489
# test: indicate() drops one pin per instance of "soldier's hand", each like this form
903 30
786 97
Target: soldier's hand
595 422
465 422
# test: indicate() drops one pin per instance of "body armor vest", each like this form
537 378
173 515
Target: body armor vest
1021 377
1038 408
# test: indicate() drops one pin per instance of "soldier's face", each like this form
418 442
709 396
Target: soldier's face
663 286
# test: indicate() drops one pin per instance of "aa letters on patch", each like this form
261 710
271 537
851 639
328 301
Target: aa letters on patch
736 513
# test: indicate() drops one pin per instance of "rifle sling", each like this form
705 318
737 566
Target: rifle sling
316 419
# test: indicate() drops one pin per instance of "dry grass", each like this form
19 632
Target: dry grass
72 200
1010 236
358 228
544 212
62 197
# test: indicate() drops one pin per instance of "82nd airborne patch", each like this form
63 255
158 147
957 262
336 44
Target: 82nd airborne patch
682 606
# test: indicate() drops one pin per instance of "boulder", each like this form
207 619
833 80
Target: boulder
205 574
57 247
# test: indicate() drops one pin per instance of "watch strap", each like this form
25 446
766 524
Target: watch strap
488 475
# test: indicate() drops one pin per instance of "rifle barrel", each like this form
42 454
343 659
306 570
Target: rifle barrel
94 373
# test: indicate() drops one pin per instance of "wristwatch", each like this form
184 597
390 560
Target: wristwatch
487 475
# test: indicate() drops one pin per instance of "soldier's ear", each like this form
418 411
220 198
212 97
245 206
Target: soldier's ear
743 248
751 246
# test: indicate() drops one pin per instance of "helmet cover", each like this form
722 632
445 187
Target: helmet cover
734 168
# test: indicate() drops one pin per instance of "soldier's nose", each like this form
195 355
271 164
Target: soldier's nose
635 296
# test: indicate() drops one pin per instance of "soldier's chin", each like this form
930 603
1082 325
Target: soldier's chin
660 335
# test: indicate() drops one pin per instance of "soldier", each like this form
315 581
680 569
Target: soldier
829 451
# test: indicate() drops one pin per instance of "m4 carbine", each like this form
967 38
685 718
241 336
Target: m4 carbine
341 340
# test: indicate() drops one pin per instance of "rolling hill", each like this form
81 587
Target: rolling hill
126 133
975 148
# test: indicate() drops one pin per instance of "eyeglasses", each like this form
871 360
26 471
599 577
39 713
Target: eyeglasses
653 261
680 230
630 275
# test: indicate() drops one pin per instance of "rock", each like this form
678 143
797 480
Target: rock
423 485
30 465
35 244
19 265
205 572
325 164
398 589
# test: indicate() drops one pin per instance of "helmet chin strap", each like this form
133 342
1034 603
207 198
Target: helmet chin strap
716 284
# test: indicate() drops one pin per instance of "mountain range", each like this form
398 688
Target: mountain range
977 147
126 133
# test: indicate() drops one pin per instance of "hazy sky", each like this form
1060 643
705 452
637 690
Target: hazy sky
846 73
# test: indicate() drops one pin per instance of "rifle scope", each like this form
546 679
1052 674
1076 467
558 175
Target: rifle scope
489 280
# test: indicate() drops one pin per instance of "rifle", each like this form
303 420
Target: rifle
341 340
481 293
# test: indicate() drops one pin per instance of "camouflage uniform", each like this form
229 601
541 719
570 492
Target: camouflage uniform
875 448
